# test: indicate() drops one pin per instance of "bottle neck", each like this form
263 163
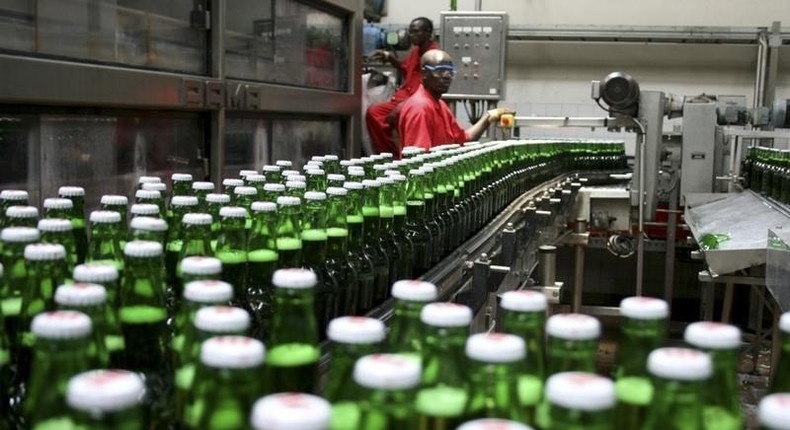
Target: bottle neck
294 317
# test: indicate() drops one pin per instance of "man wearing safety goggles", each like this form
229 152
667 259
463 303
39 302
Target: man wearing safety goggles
425 120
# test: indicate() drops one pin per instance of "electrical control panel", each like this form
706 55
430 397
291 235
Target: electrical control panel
476 41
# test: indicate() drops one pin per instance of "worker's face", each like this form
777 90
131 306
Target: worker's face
437 78
419 33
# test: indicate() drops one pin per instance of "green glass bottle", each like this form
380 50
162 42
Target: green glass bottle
105 243
493 423
572 343
21 216
227 383
399 231
780 382
493 366
338 264
147 180
151 197
406 332
262 264
58 230
10 198
244 173
272 191
418 232
679 379
157 186
292 362
232 251
643 327
388 384
244 198
143 318
285 174
5 369
196 244
335 180
351 339
773 412
229 184
371 213
314 255
108 277
197 295
580 401
722 342
433 222
389 242
295 188
60 351
46 271
180 207
332 164
201 189
107 400
181 184
271 172
444 392
291 411
215 202
91 299
316 180
144 209
148 228
289 233
284 164
77 217
55 207
356 247
523 313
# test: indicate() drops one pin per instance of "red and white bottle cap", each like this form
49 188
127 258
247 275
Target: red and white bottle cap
98 392
387 372
712 335
294 278
51 225
21 212
232 212
573 327
414 290
80 294
495 348
355 330
201 266
105 217
208 291
142 249
146 223
45 252
195 218
291 411
19 235
524 301
222 319
70 191
680 364
61 325
493 424
580 391
784 322
57 203
95 272
144 209
773 412
446 315
644 308
232 352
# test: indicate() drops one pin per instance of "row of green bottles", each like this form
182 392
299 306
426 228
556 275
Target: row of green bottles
767 171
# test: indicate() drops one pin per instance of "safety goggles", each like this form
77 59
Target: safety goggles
441 70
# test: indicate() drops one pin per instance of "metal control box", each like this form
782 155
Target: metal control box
476 41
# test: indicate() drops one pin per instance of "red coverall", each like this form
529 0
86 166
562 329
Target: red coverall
425 121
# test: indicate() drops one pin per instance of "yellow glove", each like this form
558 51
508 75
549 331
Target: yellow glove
494 114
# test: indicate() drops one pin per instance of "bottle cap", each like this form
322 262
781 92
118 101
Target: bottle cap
217 198
274 188
66 191
284 163
398 177
353 185
336 191
299 185
57 203
386 180
144 209
54 225
95 272
297 178
196 219
181 177
414 291
105 217
380 168
271 168
255 179
289 172
184 201
263 206
356 173
356 330
712 335
142 195
203 186
315 196
142 249
446 315
680 364
331 157
44 252
288 201
80 294
315 172
784 322
524 301
114 200
495 348
98 392
148 224
573 327
21 212
774 411
232 352
233 212
222 319
416 172
208 291
291 411
148 179
580 391
155 186
197 265
387 372
232 182
13 195
493 424
335 177
247 172
245 191
371 183
644 308
294 278
61 325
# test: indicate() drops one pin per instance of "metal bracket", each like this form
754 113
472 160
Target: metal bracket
509 242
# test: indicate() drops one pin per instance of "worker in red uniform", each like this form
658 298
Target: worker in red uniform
378 117
425 120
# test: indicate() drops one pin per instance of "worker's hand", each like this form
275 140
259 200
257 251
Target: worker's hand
381 56
495 114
